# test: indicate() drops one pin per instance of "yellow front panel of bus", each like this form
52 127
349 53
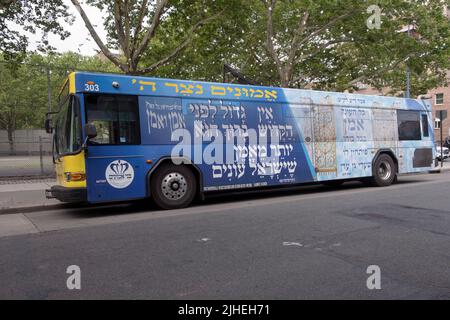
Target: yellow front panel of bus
72 164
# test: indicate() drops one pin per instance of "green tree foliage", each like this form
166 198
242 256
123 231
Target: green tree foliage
222 40
32 16
154 30
322 44
24 86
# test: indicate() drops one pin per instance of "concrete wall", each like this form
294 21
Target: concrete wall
26 142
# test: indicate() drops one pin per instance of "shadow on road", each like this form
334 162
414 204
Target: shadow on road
100 210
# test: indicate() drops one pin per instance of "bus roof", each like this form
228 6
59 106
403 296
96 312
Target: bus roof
84 82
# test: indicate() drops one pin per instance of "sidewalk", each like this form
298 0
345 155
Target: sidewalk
24 196
445 167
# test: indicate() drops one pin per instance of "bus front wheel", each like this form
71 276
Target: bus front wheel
384 171
173 187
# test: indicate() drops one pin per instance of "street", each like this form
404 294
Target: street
311 242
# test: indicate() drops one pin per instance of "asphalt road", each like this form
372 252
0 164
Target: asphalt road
304 243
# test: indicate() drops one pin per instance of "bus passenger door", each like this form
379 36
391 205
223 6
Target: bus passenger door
114 165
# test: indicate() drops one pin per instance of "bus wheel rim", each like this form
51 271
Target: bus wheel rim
385 170
174 186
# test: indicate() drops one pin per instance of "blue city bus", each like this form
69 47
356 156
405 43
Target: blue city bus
120 138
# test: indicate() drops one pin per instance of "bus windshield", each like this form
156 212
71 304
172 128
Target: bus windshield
68 137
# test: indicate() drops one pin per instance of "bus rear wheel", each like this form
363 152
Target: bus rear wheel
384 171
173 187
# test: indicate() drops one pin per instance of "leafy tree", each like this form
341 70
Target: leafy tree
329 45
24 87
218 42
17 16
319 44
133 27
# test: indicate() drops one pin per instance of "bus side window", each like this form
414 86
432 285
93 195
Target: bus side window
115 117
408 125
425 132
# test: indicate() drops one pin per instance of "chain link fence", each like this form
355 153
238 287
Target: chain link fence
25 154
28 90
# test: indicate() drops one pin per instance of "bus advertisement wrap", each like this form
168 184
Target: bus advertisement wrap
160 138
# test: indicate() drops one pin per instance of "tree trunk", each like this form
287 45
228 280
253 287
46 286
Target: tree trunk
285 78
10 131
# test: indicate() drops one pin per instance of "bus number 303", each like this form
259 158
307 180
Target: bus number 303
91 87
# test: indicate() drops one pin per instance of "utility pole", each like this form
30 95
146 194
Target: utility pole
441 118
408 72
49 89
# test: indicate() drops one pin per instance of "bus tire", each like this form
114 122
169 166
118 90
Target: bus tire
173 187
384 171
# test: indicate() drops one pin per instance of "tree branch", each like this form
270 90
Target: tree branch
326 26
97 39
137 30
142 14
270 4
294 44
160 5
118 25
321 48
127 30
179 48
362 77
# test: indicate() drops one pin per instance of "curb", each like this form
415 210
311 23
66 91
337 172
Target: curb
58 206
28 209
26 178
440 170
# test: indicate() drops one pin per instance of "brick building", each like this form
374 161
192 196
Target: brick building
441 101
440 96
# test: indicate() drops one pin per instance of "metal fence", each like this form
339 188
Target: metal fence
27 154
28 90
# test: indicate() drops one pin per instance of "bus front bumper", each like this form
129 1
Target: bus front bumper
65 194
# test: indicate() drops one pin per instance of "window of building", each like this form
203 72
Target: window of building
437 123
115 117
408 125
439 98
425 130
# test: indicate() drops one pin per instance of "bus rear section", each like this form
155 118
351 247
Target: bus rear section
120 138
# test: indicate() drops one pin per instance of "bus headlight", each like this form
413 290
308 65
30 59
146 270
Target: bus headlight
75 176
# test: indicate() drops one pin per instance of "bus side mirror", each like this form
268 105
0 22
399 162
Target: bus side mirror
48 126
91 131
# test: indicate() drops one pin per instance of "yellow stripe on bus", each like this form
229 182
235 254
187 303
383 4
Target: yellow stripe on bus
72 83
